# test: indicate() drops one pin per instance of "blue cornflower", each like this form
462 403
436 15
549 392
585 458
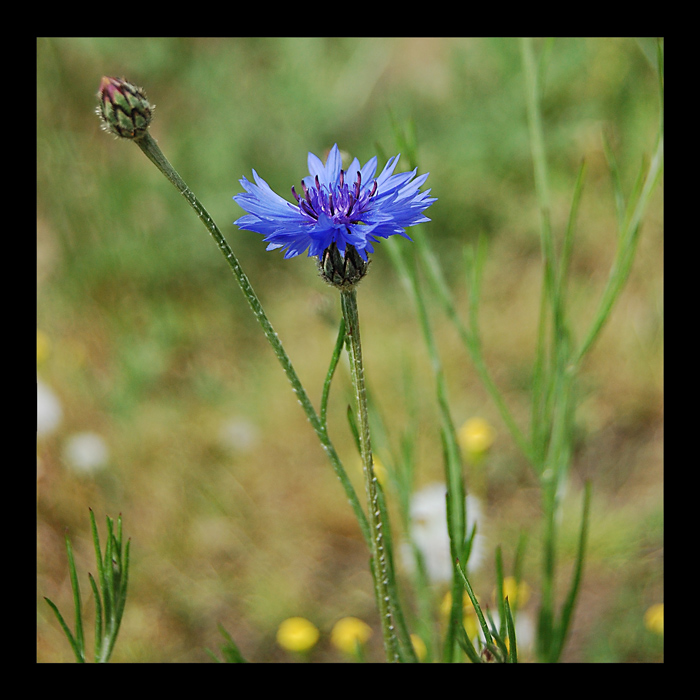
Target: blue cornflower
341 207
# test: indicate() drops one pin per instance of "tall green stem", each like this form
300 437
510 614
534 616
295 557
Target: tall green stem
381 565
150 148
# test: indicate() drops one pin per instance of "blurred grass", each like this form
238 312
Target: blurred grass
151 344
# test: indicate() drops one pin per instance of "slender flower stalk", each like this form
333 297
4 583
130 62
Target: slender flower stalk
337 218
382 573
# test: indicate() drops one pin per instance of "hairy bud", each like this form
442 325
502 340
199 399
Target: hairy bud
123 108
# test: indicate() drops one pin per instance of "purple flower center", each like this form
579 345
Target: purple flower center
344 204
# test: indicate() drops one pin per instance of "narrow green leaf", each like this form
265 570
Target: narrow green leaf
468 544
352 422
96 541
98 618
500 591
118 536
624 255
519 559
124 581
568 243
335 357
230 650
635 194
467 646
570 602
501 650
79 657
616 180
512 642
477 608
108 568
101 576
452 462
79 636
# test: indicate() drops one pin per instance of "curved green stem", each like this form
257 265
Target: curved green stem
150 148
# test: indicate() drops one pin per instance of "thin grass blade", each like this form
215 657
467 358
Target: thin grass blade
570 602
500 592
335 357
79 657
98 618
477 608
79 636
467 646
230 650
510 627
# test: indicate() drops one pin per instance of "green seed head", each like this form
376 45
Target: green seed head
123 108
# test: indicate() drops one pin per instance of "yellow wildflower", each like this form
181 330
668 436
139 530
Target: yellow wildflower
42 347
419 647
469 619
379 470
349 633
654 618
475 437
517 594
297 634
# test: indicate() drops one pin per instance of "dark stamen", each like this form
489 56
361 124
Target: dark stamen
296 196
374 189
342 178
308 209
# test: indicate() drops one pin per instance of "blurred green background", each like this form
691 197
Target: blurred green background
145 341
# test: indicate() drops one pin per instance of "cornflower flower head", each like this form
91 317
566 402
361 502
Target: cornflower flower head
338 214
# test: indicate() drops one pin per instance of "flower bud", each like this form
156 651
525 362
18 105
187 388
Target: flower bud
343 271
123 108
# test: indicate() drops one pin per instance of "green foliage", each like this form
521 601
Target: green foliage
109 592
229 650
168 346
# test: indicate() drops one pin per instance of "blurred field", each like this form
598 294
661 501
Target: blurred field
233 511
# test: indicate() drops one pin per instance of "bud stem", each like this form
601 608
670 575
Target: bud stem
150 148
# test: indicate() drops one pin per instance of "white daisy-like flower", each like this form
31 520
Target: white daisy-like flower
85 453
48 410
430 535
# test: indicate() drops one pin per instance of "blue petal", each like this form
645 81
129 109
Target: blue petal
328 174
333 165
397 204
369 170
